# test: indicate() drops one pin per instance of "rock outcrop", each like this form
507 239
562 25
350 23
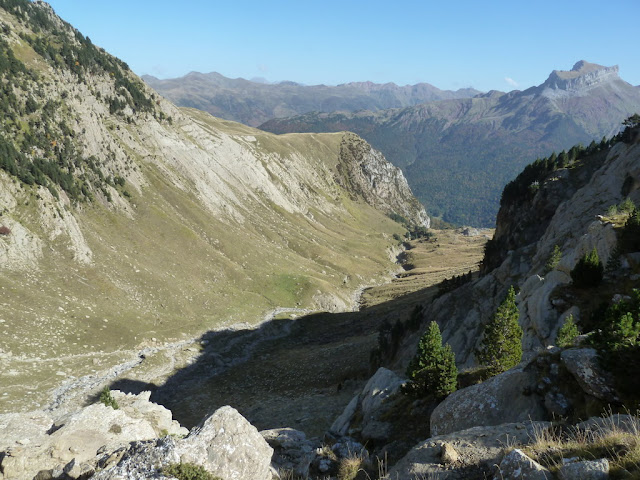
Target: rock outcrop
479 449
34 441
125 444
501 399
369 407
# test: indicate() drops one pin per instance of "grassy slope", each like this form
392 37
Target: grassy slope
172 271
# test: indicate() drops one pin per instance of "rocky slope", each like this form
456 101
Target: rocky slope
253 103
458 154
129 225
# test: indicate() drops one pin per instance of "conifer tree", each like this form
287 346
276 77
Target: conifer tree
501 346
589 270
447 373
433 369
554 259
567 333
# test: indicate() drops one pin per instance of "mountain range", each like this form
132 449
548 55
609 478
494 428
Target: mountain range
253 103
458 154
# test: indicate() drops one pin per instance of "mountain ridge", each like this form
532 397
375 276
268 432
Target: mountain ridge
253 103
458 154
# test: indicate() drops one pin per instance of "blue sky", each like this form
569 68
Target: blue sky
451 44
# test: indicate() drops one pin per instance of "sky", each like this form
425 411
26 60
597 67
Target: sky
488 45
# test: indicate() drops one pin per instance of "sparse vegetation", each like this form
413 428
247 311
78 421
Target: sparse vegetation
350 466
617 440
554 259
188 471
107 399
501 346
450 284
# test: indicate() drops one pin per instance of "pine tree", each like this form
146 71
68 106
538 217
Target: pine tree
589 270
567 333
447 373
501 346
554 259
432 371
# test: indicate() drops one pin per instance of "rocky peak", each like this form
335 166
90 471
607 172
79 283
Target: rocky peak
366 173
582 76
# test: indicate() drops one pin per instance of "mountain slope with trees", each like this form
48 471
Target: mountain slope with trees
127 223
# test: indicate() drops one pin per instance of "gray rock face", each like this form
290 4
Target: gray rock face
139 406
516 465
340 426
292 450
228 446
594 380
493 402
383 385
31 445
582 77
225 444
479 449
142 461
585 470
380 184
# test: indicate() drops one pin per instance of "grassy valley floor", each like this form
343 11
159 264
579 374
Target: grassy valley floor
301 373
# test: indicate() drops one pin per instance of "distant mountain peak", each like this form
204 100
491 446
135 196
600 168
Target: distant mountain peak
583 76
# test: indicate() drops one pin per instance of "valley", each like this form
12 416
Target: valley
184 297
302 373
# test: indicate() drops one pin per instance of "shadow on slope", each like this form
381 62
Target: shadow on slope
296 373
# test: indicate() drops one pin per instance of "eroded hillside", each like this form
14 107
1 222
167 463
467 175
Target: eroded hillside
128 223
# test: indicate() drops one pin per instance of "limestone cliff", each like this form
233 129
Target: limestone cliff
567 208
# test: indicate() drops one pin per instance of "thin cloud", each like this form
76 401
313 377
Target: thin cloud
511 81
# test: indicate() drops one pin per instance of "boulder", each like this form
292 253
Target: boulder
534 301
478 450
378 389
585 470
501 399
159 417
583 364
225 444
32 444
292 451
142 461
517 466
228 446
340 426
383 385
78 440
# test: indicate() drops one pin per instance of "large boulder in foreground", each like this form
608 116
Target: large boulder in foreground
477 452
228 446
225 444
501 399
39 445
